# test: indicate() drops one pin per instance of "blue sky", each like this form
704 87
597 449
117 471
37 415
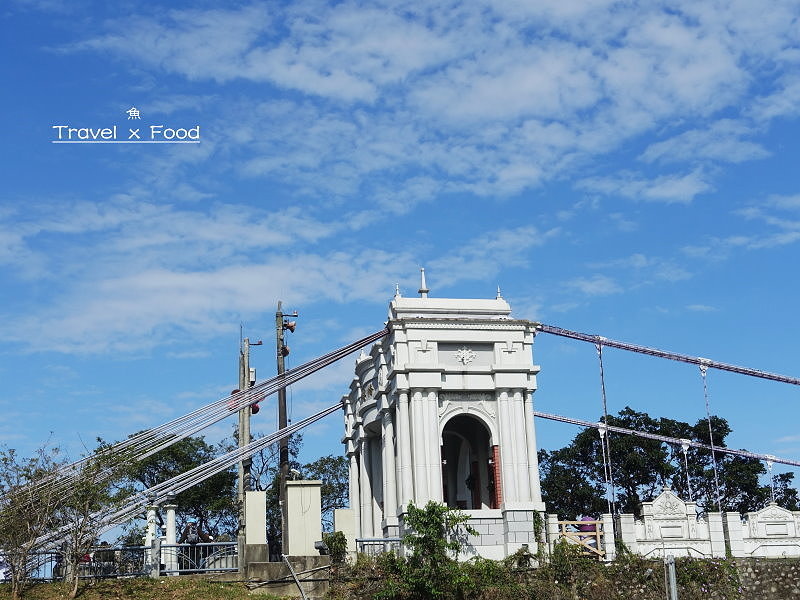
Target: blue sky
620 168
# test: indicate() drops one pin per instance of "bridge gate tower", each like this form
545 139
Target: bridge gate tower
442 409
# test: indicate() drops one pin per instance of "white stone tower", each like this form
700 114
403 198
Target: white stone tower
442 409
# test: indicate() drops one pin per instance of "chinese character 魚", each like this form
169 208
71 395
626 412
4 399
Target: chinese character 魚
133 113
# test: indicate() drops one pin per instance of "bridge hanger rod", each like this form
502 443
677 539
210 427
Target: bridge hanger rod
694 360
665 438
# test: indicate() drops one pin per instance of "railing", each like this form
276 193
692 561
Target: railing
373 546
133 561
589 535
199 558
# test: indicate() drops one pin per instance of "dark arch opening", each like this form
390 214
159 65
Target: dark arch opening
467 481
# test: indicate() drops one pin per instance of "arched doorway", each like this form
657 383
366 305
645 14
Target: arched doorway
467 481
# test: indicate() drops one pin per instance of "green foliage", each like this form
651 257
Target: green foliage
573 482
212 502
337 547
435 537
698 578
28 508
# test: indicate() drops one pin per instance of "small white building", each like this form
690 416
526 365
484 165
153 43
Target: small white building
442 409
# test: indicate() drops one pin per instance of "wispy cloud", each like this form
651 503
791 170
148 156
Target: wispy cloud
662 188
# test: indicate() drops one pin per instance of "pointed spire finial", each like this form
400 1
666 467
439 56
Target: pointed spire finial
397 293
498 293
423 288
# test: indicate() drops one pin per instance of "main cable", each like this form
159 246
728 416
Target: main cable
695 360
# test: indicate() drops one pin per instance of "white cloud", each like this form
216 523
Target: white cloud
720 141
467 95
663 188
596 285
487 255
703 308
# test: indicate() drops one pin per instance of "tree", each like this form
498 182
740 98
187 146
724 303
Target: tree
573 480
92 497
435 535
211 502
28 507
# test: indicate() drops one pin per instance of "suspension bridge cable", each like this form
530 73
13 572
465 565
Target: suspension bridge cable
147 443
703 371
665 438
695 360
184 481
605 436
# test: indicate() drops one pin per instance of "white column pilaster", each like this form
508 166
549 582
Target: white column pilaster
389 472
434 447
507 455
520 447
171 554
419 457
404 437
533 457
355 493
365 486
376 468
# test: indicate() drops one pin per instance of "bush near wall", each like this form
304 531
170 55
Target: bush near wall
567 576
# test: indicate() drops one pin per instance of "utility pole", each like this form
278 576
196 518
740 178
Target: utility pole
246 381
282 353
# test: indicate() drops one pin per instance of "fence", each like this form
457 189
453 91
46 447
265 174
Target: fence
589 535
133 561
373 546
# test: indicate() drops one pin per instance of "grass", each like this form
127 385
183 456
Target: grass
166 588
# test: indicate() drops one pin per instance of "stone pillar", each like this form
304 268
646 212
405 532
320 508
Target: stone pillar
521 472
344 521
507 459
626 527
732 525
551 524
170 555
152 539
434 447
365 488
420 451
717 533
609 545
533 458
404 437
355 493
376 485
389 483
304 516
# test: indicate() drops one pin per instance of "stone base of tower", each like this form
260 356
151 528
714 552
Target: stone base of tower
500 532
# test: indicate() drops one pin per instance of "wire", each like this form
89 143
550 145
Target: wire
147 443
605 437
695 360
703 370
664 438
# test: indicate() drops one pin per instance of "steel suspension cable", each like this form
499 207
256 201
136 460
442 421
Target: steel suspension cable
711 437
695 360
147 443
184 481
605 436
665 438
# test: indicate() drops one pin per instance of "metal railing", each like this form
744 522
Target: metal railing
134 561
373 546
199 558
